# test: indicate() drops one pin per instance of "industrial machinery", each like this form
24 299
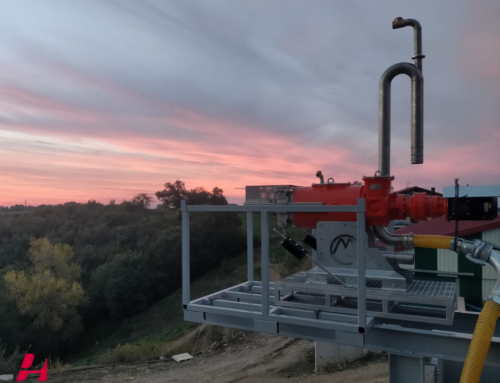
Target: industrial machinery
357 293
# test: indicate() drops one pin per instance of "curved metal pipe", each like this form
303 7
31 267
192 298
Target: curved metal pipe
494 261
405 240
399 22
384 115
400 258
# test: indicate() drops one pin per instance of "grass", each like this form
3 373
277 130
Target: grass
159 325
154 332
10 362
369 358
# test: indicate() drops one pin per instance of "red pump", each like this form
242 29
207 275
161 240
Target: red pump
382 206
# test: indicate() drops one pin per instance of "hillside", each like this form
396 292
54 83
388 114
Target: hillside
247 358
161 323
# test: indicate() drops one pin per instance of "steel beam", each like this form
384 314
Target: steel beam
264 264
361 248
302 208
250 246
186 277
433 344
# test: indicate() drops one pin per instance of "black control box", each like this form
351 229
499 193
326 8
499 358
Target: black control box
472 208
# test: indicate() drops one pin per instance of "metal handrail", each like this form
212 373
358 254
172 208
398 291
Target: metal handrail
359 209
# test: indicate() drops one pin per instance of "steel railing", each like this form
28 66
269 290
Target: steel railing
264 211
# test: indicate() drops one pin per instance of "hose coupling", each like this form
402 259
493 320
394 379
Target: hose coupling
407 240
494 261
476 251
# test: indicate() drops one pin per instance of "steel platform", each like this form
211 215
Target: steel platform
423 301
241 307
251 305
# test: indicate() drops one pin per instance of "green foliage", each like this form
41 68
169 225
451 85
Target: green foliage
117 258
215 334
142 199
162 324
126 353
10 363
122 286
174 192
48 293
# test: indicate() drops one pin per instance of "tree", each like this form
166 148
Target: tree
49 293
175 192
217 197
124 284
142 199
172 194
198 196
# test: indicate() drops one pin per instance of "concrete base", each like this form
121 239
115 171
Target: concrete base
335 353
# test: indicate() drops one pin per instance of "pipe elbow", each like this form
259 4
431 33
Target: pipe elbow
401 68
405 240
494 261
417 107
399 22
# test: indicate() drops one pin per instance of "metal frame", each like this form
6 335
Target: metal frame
439 297
247 305
265 284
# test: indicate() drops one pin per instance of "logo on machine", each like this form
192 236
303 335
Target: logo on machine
342 242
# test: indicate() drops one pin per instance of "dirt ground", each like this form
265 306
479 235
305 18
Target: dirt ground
257 358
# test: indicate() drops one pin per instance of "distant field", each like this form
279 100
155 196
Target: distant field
10 213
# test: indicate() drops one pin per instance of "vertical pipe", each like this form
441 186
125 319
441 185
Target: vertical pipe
417 101
314 252
186 294
418 56
360 250
384 115
399 22
250 246
264 237
390 229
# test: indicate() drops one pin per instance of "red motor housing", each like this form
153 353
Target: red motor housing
382 206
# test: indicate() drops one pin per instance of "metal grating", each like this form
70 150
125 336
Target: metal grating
423 301
418 288
432 289
301 278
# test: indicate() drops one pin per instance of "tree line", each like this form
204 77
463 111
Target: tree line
65 267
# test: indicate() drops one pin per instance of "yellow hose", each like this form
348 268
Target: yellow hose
480 343
432 241
485 327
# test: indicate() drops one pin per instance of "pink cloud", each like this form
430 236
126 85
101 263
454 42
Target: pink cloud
107 162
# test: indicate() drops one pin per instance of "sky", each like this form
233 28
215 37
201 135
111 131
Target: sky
107 99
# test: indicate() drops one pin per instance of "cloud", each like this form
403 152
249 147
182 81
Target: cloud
101 99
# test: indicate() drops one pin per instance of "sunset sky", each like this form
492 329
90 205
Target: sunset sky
106 99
